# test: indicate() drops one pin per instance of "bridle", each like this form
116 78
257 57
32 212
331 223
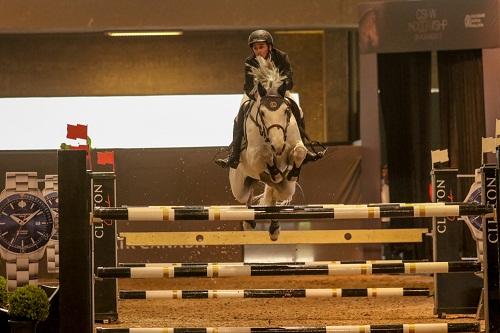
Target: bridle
272 103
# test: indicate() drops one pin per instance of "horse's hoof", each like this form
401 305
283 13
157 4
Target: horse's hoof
274 231
249 225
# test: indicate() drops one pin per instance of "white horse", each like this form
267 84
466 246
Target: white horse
273 152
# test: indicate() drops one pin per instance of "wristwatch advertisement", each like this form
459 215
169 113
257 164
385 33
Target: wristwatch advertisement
50 193
26 225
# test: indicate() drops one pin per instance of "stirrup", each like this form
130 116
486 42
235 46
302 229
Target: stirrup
227 162
313 156
222 162
316 151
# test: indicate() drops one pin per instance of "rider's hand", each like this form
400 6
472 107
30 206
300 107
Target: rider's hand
282 90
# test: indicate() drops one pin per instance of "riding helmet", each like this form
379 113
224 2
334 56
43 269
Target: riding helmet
260 36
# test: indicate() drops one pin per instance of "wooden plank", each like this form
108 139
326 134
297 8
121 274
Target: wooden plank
358 236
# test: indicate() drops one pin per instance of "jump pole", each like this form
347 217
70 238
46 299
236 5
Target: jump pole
305 207
390 328
274 293
236 263
259 214
212 271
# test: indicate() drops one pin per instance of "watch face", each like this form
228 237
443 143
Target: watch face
25 223
53 201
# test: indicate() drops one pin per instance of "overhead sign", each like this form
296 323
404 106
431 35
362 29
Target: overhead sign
425 25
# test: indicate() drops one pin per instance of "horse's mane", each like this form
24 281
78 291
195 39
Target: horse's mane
267 73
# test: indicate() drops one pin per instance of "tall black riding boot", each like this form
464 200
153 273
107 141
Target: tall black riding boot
234 157
311 155
299 119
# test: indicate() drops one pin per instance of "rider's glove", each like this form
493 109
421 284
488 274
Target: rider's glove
282 90
262 91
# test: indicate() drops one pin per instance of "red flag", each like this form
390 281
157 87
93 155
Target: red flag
106 158
77 132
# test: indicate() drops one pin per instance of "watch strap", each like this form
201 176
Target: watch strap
21 182
51 183
53 256
21 271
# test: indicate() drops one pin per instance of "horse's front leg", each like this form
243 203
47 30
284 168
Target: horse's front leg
268 199
296 157
264 162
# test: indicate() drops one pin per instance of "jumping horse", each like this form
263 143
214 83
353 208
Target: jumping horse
272 149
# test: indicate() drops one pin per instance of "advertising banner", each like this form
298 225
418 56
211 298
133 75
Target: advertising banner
428 25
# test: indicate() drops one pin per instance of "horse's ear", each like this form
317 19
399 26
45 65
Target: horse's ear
262 91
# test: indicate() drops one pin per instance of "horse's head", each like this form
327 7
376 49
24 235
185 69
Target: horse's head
273 111
274 115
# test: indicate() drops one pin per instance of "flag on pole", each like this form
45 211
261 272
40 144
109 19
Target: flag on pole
439 156
77 131
106 158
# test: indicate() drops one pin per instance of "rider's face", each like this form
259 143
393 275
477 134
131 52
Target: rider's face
260 49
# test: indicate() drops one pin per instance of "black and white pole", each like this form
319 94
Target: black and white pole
304 263
390 328
213 271
273 293
259 214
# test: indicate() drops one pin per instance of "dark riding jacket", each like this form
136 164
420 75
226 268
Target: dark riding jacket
280 60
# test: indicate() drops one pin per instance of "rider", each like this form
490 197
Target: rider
261 43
